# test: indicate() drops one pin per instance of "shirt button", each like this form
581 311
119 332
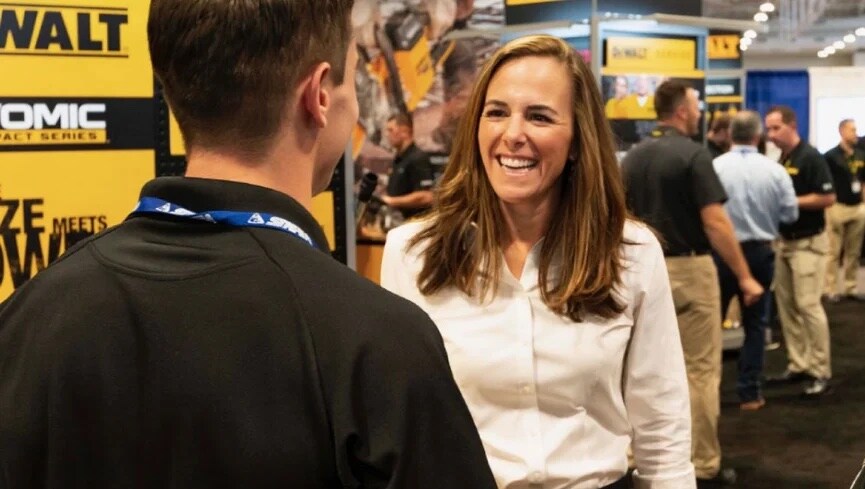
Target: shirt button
526 388
536 477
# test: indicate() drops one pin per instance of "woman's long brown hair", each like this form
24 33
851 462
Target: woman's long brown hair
462 239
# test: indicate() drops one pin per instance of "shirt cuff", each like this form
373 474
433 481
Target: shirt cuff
687 480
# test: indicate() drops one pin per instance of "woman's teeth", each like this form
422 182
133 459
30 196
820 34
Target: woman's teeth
517 163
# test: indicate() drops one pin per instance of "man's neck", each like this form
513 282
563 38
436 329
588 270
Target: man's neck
847 148
795 142
677 124
401 148
284 174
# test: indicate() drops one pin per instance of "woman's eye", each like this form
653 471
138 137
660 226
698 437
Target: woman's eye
494 113
540 118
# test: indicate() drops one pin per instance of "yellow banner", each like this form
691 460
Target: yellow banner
175 138
650 55
53 136
724 99
89 48
49 201
723 47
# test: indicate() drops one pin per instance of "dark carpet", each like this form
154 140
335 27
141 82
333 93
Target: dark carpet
793 443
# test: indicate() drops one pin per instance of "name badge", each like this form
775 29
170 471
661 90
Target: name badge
856 186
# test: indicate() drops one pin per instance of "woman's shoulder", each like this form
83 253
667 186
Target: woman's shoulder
640 242
639 233
400 236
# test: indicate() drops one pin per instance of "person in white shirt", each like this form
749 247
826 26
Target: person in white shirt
554 306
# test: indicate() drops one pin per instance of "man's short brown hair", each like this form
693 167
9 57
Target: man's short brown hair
788 115
228 67
402 119
669 96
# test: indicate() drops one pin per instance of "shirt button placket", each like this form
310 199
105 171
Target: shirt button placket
528 389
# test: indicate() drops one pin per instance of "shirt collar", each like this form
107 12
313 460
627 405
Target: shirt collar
201 194
743 148
531 268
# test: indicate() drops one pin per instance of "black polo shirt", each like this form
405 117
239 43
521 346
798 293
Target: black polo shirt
848 173
412 171
714 149
810 175
167 352
669 178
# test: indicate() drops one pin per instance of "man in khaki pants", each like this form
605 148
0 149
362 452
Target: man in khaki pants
845 219
672 185
800 263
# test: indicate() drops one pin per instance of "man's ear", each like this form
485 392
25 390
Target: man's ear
315 96
682 111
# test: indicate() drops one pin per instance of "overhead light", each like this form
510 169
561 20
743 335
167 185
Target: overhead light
860 32
839 44
822 54
750 34
829 49
767 7
850 38
761 17
746 41
743 47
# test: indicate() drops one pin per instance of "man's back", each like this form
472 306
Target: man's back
760 192
177 353
668 179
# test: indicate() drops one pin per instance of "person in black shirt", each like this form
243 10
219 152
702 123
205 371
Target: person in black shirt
800 261
210 340
672 185
846 218
409 187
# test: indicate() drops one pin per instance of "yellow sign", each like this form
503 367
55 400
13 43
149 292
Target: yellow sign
322 211
89 48
725 99
50 201
175 138
723 47
650 55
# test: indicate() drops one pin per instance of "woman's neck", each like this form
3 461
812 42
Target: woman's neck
525 225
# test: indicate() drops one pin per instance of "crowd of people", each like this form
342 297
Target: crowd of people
559 318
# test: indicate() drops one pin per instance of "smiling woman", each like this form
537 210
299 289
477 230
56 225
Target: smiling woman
555 309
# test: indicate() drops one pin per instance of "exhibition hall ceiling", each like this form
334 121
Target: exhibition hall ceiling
797 25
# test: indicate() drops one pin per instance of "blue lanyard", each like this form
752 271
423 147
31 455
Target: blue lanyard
152 205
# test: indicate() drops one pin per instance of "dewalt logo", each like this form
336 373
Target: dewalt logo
51 30
24 124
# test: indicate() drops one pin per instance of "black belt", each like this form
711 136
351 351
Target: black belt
754 243
687 253
801 234
623 483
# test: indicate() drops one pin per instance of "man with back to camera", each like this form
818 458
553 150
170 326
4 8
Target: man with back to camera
672 186
845 218
800 262
409 187
211 341
761 196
